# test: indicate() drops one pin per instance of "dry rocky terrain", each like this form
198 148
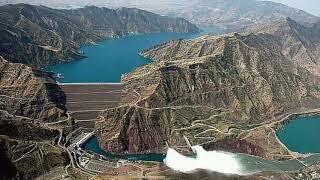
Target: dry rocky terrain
230 15
223 92
32 105
28 100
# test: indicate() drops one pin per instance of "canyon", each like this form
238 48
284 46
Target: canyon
226 92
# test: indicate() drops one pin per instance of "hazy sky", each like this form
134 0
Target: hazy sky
311 6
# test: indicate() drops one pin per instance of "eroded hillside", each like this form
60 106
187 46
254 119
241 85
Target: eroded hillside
29 99
224 92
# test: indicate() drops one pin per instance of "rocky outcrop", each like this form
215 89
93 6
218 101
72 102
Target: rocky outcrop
28 100
216 88
298 43
28 159
30 93
27 149
38 35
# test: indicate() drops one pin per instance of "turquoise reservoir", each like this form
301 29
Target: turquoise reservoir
109 59
301 134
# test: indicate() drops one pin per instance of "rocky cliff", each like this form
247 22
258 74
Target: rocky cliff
28 100
222 92
30 93
27 149
37 35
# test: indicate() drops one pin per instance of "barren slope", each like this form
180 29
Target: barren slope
222 92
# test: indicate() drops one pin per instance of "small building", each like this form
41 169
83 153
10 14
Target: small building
83 161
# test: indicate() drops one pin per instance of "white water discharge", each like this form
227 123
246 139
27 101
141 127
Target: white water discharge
216 161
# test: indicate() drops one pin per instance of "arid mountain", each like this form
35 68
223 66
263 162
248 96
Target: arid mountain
231 15
235 15
37 35
28 100
29 93
26 149
297 43
223 92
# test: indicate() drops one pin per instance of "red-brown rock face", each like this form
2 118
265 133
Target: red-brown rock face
237 146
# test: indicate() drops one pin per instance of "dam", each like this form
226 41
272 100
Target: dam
86 100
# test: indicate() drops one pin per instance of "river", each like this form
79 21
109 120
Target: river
300 134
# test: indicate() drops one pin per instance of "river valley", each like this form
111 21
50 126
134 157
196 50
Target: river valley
114 57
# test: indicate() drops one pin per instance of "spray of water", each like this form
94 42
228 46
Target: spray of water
216 161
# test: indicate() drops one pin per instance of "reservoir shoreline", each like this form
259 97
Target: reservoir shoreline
110 59
279 125
107 59
81 55
293 116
